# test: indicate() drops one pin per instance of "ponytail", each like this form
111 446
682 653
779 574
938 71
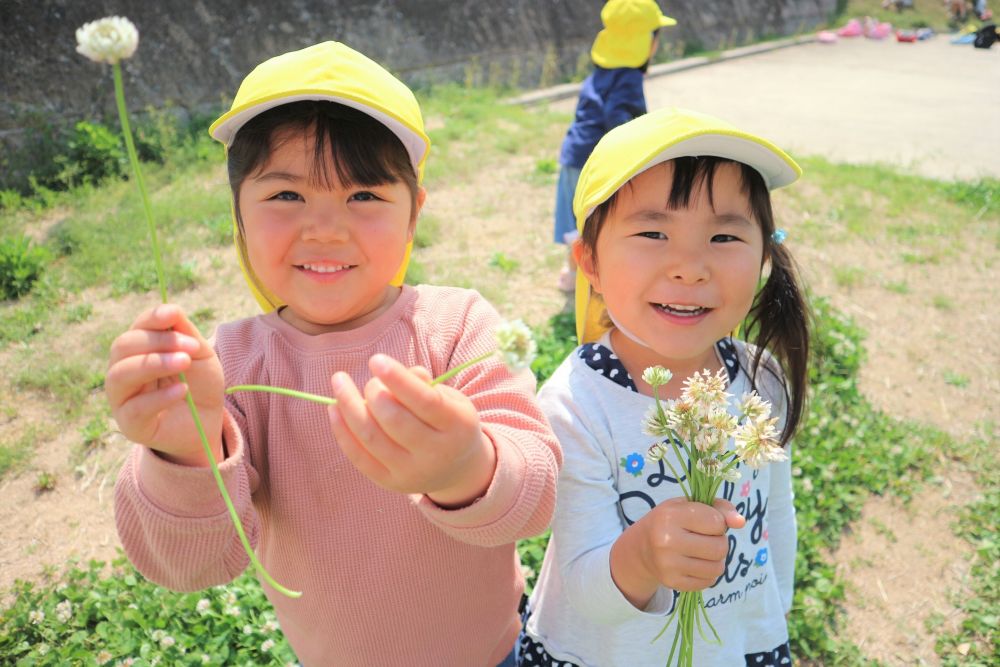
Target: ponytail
779 323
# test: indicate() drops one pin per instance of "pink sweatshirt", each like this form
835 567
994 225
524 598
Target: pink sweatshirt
387 579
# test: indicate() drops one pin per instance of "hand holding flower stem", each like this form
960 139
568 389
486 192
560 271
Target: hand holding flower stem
110 40
514 342
698 428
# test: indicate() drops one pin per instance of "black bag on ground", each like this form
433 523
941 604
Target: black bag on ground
985 36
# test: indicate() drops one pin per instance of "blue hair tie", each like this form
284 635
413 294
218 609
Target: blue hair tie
779 236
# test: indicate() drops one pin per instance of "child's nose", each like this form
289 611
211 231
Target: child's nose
325 225
689 267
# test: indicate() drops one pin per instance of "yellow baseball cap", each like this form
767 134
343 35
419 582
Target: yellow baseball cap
628 33
333 72
649 140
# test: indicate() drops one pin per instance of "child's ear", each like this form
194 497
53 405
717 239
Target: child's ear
418 204
586 262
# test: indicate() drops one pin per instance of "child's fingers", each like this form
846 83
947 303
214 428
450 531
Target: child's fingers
411 391
127 377
702 519
143 341
730 514
397 421
167 317
688 583
421 373
355 452
142 406
353 412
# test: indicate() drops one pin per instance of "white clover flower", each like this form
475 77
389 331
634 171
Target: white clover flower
36 616
127 662
269 627
721 421
205 658
516 344
656 376
64 611
656 423
203 605
709 465
706 390
757 442
155 661
656 451
157 635
108 40
43 649
753 406
527 572
167 642
231 611
248 629
732 475
267 645
103 657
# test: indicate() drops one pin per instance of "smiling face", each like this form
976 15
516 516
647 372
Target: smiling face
679 278
326 248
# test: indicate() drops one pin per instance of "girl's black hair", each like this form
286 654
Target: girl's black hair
779 318
363 151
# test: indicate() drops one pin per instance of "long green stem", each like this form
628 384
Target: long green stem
315 398
161 280
325 400
458 369
134 159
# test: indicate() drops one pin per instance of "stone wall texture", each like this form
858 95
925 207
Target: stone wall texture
193 53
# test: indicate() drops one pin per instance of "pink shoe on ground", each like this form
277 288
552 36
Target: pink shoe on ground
852 29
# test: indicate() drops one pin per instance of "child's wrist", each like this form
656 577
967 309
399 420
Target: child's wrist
474 484
629 569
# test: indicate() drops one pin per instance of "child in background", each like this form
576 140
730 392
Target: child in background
677 231
610 96
400 526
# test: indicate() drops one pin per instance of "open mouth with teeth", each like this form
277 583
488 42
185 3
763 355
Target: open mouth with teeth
682 310
324 268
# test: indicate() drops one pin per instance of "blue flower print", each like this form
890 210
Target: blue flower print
761 557
633 464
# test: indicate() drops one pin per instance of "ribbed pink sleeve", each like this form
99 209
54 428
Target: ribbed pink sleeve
387 579
520 500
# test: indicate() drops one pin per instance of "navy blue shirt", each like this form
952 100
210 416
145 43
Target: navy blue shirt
609 97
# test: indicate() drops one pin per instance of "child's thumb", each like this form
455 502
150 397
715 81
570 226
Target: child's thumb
733 518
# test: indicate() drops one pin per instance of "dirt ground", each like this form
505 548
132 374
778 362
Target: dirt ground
922 106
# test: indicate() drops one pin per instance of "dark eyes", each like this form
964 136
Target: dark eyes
717 238
288 195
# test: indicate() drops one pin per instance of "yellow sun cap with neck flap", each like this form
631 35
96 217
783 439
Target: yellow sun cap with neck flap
331 72
628 33
647 141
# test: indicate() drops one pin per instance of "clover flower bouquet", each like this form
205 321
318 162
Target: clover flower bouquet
698 428
113 39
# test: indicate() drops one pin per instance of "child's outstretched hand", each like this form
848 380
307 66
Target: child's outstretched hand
146 396
679 544
408 436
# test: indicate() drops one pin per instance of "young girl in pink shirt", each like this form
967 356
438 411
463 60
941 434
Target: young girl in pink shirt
396 510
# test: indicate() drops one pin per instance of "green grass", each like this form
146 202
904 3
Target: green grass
473 128
846 450
977 642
